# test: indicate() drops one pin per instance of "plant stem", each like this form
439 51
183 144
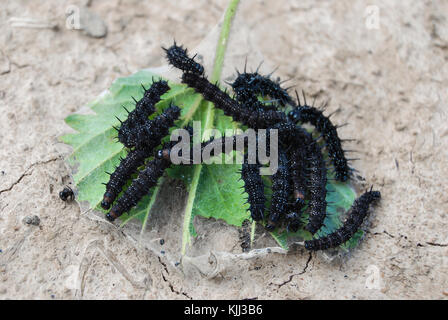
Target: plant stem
209 116
223 39
252 233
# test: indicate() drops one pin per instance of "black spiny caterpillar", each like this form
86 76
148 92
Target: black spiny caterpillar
143 109
305 113
280 191
147 178
258 118
355 218
127 166
254 187
317 182
150 133
178 57
145 135
299 180
261 85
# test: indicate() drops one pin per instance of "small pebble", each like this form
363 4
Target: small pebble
91 24
34 220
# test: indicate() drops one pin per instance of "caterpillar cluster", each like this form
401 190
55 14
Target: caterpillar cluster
142 135
299 184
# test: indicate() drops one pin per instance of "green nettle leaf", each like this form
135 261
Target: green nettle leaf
215 190
219 194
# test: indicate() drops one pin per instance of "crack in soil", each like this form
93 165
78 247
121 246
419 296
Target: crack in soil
437 244
164 265
169 282
27 173
406 238
297 274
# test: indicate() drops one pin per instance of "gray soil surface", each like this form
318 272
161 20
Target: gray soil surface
383 68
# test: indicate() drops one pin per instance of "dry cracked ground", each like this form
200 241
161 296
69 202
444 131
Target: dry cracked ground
381 64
